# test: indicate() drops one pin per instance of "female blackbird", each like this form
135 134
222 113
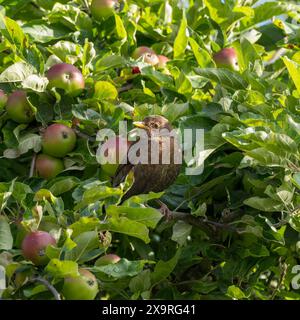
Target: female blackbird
151 175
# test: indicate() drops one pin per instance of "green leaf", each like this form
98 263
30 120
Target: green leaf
294 71
181 39
85 243
181 231
129 227
235 293
62 269
44 33
28 142
202 56
108 62
224 77
120 29
264 204
164 268
147 216
63 184
17 72
104 90
121 269
6 239
85 224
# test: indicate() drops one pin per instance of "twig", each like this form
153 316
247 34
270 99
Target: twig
202 223
126 87
48 286
84 135
32 166
283 267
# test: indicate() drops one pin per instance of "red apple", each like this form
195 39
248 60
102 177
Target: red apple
162 61
58 140
34 246
102 9
18 107
226 58
111 153
107 259
48 167
82 287
67 77
3 99
148 55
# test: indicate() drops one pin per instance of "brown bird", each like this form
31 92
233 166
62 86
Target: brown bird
152 176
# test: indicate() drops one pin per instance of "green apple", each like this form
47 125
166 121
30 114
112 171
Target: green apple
3 99
102 9
107 259
48 167
58 140
34 246
82 287
18 107
67 77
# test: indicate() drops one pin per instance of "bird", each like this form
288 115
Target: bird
152 176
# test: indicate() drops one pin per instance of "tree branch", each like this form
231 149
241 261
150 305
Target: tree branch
32 166
48 286
202 223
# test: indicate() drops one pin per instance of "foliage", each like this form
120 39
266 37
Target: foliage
248 194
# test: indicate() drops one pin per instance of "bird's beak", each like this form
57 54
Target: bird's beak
139 124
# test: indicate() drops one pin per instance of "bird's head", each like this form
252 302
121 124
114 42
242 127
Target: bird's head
151 123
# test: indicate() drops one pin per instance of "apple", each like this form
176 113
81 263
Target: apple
149 56
48 167
107 259
102 9
18 107
226 58
67 77
3 99
162 61
111 153
82 287
34 247
58 140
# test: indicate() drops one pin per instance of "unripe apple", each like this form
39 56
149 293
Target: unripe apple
102 9
162 61
34 247
67 77
148 55
18 107
3 99
48 167
226 58
107 259
113 151
58 140
82 287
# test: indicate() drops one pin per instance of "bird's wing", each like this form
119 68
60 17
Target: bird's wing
121 174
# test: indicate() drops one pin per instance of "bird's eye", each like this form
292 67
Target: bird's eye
154 125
